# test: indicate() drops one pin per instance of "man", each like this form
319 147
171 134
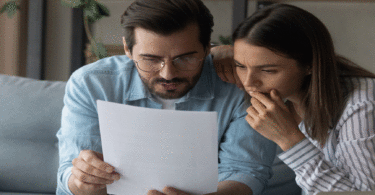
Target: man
166 66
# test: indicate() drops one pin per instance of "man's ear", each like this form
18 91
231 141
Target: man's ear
126 48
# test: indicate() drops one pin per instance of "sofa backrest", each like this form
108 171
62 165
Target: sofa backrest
30 115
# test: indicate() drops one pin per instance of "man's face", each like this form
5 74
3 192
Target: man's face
169 82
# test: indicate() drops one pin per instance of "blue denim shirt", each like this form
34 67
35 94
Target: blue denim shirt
244 155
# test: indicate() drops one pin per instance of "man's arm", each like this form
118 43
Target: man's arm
224 188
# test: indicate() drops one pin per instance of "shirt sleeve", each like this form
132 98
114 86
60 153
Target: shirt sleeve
354 168
79 129
245 156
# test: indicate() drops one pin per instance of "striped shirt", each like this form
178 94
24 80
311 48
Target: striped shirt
347 161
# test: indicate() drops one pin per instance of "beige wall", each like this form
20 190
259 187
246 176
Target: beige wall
351 25
13 36
58 41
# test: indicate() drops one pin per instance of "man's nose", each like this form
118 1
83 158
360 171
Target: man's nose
169 71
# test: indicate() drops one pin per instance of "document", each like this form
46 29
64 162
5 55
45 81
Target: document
154 148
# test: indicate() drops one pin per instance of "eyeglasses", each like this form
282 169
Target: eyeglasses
181 63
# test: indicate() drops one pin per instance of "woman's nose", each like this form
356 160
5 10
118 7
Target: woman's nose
252 80
168 71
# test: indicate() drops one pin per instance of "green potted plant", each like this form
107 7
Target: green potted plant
10 8
92 12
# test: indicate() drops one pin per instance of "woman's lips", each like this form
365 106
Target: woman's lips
264 93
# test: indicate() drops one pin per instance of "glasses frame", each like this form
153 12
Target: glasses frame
163 64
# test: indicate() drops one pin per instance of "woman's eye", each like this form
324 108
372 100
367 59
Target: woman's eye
239 66
269 71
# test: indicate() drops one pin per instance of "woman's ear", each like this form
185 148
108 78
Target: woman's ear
126 48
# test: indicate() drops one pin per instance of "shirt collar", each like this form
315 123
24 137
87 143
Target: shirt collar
203 90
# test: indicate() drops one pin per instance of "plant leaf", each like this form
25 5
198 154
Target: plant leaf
91 12
73 3
3 8
11 8
104 11
98 49
225 40
95 11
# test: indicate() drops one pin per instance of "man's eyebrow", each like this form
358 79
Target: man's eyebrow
259 66
155 56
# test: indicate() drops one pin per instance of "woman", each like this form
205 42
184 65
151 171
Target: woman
317 106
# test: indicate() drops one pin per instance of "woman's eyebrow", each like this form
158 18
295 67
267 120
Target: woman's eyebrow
260 66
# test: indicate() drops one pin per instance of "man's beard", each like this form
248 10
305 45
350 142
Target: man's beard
171 94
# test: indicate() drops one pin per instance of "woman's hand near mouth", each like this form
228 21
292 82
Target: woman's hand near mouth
270 117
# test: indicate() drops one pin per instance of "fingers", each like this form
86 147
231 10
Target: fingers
85 186
224 63
219 67
89 174
173 191
257 105
167 191
228 72
263 99
250 120
89 169
154 192
96 159
276 97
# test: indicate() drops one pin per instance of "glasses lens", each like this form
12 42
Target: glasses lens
149 65
186 63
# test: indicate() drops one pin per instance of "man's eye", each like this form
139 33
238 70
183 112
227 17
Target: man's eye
151 60
184 59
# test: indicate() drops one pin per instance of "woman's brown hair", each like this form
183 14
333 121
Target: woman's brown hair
297 34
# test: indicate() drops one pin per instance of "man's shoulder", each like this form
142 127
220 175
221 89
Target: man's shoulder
104 77
113 65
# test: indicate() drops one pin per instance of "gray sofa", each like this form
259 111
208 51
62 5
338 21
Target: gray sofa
30 114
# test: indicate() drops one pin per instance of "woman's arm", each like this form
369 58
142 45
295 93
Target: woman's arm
351 152
224 64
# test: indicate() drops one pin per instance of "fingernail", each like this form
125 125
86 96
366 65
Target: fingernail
116 177
109 169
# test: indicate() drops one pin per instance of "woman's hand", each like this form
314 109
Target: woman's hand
224 64
272 119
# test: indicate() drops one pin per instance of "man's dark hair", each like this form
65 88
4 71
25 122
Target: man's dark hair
166 17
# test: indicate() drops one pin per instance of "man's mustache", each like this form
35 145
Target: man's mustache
175 80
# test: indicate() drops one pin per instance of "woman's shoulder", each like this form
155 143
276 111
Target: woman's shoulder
359 89
359 109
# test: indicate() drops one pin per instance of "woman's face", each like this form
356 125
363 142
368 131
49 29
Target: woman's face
261 70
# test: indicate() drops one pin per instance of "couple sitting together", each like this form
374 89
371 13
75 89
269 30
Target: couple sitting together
292 90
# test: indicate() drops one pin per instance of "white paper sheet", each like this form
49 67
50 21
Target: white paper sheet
153 148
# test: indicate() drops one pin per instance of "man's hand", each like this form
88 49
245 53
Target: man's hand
224 64
90 174
167 191
224 188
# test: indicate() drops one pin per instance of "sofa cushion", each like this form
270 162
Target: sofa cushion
30 113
